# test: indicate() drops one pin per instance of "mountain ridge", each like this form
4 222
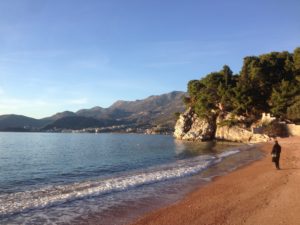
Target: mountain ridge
155 110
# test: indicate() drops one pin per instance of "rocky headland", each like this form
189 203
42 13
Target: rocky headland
227 106
224 126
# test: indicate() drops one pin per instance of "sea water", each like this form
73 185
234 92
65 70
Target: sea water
58 178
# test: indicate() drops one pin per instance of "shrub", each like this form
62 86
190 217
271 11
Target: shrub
176 115
276 129
229 123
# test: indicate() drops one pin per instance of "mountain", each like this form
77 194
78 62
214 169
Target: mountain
60 115
153 111
93 112
75 123
18 121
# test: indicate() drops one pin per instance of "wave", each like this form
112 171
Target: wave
57 194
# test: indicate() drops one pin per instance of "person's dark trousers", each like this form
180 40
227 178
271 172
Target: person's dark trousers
277 162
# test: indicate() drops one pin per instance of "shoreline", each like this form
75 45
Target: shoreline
252 194
171 192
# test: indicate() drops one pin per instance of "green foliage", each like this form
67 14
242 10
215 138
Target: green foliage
229 123
225 97
186 101
242 100
227 73
176 115
282 98
296 58
194 88
266 83
208 99
276 129
293 112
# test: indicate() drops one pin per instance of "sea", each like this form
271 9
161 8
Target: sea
80 178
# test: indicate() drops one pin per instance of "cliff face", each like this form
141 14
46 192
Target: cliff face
192 128
238 134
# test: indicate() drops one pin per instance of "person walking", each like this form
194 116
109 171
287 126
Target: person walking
276 154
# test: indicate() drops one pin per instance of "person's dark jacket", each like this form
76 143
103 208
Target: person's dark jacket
276 150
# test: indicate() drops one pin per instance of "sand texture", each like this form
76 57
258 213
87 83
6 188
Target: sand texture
256 194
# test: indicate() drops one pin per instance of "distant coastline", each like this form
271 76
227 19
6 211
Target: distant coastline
154 114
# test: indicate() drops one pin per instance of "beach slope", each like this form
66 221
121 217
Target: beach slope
254 194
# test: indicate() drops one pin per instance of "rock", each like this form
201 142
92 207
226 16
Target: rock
239 134
256 138
233 133
192 128
183 124
226 126
237 130
230 116
157 130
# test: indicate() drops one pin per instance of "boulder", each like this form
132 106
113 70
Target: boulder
192 128
239 134
183 124
237 130
226 126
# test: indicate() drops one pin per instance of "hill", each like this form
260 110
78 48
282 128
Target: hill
154 110
223 105
13 121
75 123
266 83
150 112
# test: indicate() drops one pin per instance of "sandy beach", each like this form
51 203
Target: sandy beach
255 194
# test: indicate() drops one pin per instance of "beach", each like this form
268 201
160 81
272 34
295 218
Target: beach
254 194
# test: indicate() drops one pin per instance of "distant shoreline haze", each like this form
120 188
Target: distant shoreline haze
156 110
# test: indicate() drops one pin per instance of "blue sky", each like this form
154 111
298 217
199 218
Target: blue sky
58 55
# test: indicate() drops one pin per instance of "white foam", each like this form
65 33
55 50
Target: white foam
51 195
228 153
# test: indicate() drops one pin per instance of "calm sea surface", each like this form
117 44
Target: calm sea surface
48 178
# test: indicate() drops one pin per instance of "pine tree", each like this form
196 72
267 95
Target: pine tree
282 97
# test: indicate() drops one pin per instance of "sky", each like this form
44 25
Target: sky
58 55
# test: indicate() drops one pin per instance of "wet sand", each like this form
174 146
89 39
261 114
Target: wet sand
254 194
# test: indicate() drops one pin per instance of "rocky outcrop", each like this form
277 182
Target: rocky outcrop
233 128
238 134
224 127
183 124
192 128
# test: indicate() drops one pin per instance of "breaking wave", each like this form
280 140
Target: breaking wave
14 203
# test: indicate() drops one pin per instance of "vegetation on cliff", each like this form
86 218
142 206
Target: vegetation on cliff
266 83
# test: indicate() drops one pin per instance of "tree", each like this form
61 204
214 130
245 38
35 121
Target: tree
266 83
242 100
227 73
293 112
225 94
296 58
194 88
282 97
